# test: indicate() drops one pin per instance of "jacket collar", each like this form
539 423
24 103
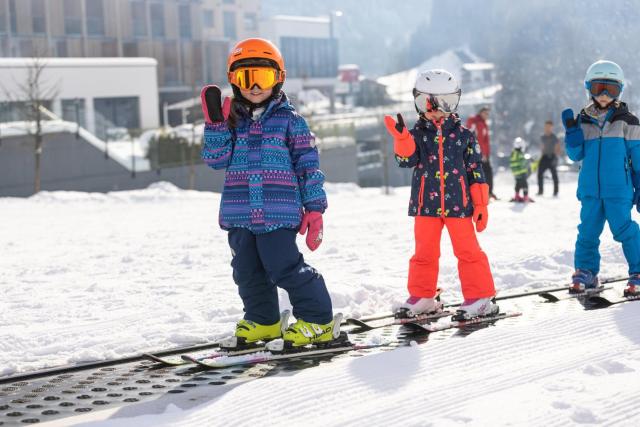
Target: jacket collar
449 123
616 111
280 101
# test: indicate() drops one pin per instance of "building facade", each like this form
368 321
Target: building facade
189 39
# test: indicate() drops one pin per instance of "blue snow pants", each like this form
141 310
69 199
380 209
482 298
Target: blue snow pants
617 212
262 263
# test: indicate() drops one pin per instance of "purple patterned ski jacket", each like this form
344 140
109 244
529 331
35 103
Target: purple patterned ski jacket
272 169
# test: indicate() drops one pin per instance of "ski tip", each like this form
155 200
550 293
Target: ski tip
595 302
549 297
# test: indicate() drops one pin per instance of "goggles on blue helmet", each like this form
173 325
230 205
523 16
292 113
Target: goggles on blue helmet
597 87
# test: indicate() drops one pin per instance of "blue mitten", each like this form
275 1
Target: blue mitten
574 136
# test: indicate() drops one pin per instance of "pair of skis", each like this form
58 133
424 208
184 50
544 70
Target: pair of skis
274 350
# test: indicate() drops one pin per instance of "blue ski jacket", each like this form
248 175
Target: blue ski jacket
608 153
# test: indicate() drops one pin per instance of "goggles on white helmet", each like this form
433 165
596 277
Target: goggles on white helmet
436 90
426 102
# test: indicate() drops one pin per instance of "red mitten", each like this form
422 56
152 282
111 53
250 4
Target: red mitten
212 109
480 200
313 222
403 143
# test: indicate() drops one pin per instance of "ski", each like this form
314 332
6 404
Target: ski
366 326
549 297
531 293
276 352
187 358
596 301
442 326
229 346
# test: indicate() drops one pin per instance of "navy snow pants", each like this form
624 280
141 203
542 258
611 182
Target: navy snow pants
264 262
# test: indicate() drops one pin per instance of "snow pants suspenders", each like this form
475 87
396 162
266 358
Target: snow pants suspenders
473 266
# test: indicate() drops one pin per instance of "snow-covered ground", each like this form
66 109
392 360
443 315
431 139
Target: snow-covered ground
95 276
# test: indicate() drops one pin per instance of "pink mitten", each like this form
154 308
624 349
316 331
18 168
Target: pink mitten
313 222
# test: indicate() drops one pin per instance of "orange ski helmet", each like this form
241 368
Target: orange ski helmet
255 48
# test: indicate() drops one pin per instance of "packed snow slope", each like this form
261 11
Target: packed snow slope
94 276
88 276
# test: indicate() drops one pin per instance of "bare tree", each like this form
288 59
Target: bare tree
32 94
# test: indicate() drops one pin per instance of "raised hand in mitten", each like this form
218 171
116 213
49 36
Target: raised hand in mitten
213 109
403 143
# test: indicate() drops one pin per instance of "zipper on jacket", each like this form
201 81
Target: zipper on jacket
464 192
626 170
599 155
441 161
421 194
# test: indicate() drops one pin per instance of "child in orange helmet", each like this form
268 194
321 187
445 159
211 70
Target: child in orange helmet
273 189
448 189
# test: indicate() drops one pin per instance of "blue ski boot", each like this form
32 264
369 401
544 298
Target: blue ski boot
583 281
633 286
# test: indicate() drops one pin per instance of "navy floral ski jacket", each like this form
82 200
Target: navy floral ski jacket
447 161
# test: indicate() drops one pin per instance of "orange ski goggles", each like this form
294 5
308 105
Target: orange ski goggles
263 77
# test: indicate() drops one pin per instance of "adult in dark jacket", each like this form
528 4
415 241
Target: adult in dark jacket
549 152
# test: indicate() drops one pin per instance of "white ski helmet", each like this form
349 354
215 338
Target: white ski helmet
519 144
436 89
604 70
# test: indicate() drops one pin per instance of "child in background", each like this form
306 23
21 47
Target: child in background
273 189
521 169
605 136
448 189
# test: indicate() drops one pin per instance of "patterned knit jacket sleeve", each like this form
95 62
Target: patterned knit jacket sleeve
473 159
218 145
306 164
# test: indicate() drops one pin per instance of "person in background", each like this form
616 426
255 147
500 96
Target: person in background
478 125
550 150
521 169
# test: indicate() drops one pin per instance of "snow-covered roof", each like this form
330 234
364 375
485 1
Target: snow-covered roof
400 85
314 19
79 62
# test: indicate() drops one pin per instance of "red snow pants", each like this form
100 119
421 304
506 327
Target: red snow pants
473 266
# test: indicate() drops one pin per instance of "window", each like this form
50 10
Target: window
229 21
13 17
38 16
116 112
130 49
139 19
184 15
72 17
207 18
250 21
95 17
73 111
157 19
3 19
61 49
310 57
109 48
170 64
